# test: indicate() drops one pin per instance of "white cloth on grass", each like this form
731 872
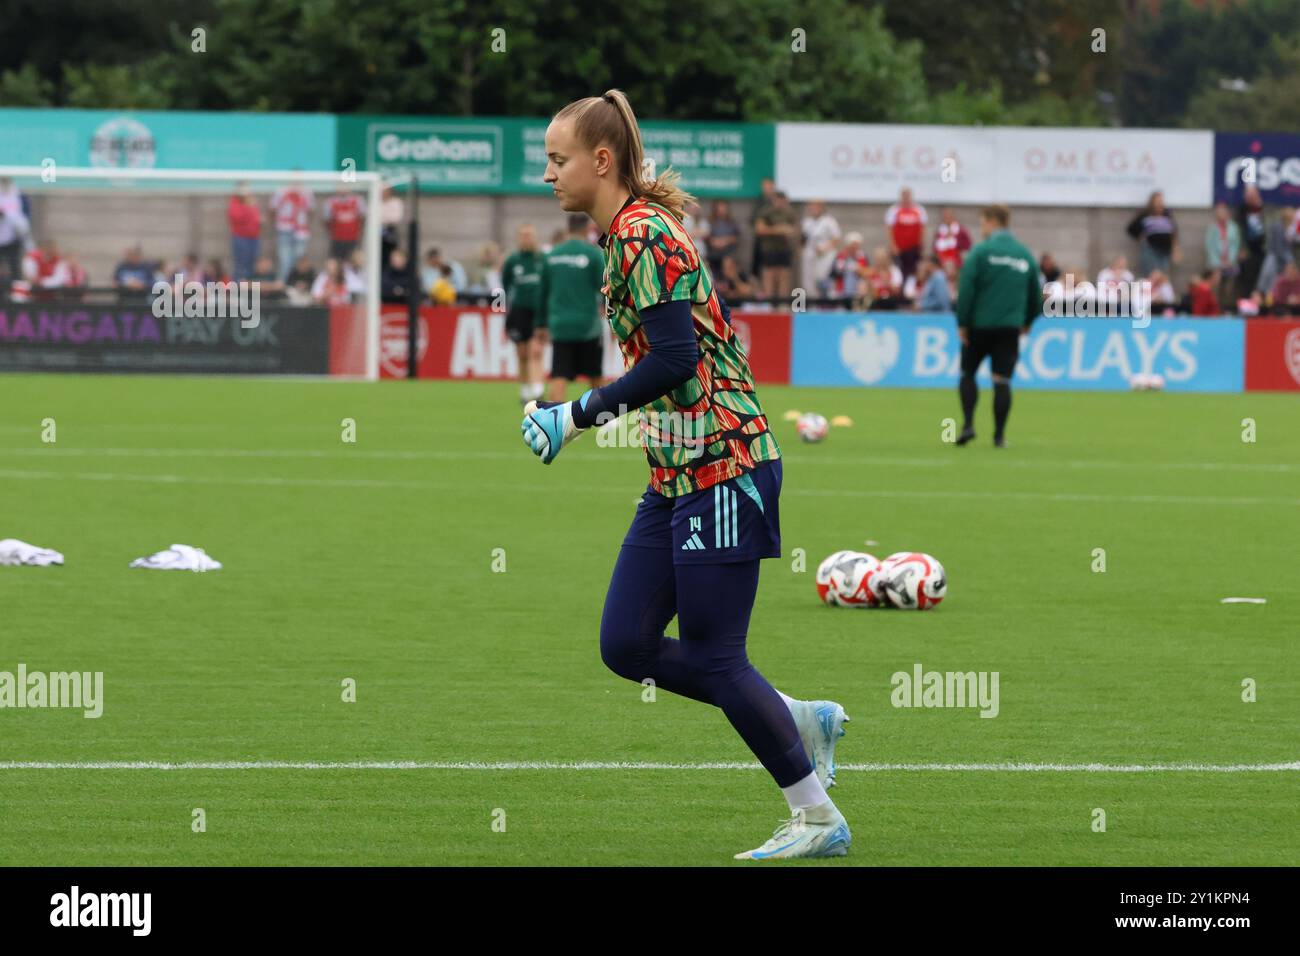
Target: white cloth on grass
13 551
179 557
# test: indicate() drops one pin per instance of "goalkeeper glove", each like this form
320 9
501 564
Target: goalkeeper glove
549 426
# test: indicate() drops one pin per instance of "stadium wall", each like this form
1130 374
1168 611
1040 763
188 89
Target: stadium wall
1086 239
100 227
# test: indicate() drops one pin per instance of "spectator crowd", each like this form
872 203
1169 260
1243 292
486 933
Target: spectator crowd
1251 256
911 260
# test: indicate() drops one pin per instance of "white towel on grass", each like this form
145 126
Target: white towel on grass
179 557
13 551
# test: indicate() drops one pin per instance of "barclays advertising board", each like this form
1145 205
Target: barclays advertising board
922 350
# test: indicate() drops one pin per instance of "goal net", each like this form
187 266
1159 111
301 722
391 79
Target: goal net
190 270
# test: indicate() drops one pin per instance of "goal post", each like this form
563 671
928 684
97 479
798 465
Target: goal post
95 213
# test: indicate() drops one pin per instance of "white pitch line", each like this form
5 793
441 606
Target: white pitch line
1293 766
308 453
588 455
569 489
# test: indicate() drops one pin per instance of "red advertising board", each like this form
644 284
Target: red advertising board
469 342
766 338
348 340
1272 355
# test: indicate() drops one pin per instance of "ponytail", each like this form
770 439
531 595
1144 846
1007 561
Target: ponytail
608 120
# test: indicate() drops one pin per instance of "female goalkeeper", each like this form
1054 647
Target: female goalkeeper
710 511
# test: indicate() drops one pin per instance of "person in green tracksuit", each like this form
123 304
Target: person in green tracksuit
998 297
570 307
521 276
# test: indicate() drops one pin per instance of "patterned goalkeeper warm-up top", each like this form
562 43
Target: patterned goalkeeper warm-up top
711 427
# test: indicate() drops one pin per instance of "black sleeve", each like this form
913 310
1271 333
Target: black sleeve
673 356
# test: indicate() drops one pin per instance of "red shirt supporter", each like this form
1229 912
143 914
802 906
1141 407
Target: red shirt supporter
1204 301
951 241
345 213
292 207
906 226
884 283
41 267
76 274
245 218
1286 291
45 268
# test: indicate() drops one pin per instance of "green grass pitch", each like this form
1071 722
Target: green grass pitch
374 561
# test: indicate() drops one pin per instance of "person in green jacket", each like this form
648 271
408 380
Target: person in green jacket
570 306
521 277
998 296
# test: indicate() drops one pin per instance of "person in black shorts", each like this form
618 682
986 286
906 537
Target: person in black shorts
571 361
521 277
998 297
521 325
775 229
1000 345
571 308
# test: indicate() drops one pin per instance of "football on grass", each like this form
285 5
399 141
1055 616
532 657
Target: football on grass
834 574
914 582
812 427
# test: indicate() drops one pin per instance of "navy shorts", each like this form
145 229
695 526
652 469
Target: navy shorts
736 520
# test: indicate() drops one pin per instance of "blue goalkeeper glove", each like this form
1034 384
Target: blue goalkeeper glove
549 426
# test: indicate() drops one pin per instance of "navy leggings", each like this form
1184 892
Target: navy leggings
708 663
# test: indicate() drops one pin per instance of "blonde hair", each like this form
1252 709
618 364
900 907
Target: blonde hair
608 120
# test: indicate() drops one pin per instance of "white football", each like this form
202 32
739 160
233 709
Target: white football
1144 382
914 582
878 582
863 585
812 427
834 574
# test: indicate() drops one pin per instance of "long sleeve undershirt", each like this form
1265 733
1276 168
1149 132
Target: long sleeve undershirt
674 353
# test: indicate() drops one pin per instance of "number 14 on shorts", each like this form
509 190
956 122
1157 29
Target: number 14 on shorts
694 542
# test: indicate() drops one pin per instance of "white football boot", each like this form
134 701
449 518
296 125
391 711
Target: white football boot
821 725
819 832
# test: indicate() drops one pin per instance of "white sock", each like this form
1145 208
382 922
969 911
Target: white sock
789 701
539 389
805 794
525 391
